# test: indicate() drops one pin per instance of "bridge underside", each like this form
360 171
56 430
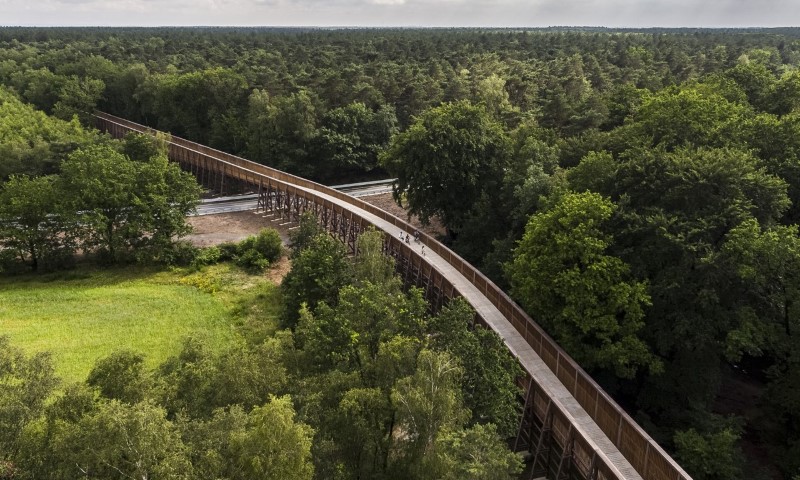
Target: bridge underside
569 427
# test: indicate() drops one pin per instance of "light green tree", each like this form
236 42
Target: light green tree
274 446
565 278
428 403
476 453
25 385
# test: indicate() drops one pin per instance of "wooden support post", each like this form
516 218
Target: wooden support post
566 453
593 467
545 432
522 421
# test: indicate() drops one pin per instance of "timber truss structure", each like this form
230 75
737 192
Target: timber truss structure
569 427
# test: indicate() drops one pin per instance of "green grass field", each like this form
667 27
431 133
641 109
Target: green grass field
81 317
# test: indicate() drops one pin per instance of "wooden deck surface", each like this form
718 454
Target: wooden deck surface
531 362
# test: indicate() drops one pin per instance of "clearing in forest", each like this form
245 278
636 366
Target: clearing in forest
83 316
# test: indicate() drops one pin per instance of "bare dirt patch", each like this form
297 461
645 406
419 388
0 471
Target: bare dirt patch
219 228
235 226
386 202
232 227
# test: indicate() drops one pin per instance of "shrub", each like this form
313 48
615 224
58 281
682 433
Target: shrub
257 252
10 263
178 254
228 251
252 260
206 256
268 243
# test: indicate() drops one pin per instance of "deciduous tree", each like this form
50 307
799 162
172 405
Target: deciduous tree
565 278
446 159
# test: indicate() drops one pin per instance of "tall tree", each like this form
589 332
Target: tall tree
565 278
35 223
446 160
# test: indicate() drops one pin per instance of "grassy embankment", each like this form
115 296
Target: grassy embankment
84 315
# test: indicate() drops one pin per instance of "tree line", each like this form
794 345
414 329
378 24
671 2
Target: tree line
323 103
117 201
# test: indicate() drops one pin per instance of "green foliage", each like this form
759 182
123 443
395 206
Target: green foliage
302 237
25 384
475 454
141 148
351 137
115 440
490 371
564 277
275 445
31 143
709 457
371 265
34 223
127 204
691 115
197 104
78 98
121 376
428 404
257 252
199 380
206 256
316 276
282 131
446 159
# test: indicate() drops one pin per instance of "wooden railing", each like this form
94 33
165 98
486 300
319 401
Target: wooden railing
648 459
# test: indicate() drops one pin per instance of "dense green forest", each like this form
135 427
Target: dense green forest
638 192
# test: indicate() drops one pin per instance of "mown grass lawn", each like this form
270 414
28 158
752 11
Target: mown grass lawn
83 316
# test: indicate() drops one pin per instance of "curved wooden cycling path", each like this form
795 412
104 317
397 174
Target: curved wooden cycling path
570 426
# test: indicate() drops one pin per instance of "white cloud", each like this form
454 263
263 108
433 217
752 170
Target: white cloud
614 13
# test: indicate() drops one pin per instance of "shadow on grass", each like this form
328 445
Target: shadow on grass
88 275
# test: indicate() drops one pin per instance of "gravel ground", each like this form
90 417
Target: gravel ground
234 226
231 227
386 202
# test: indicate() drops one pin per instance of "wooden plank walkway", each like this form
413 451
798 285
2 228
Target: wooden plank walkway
555 376
547 380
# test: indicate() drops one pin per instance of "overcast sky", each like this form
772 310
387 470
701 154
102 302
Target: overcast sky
446 13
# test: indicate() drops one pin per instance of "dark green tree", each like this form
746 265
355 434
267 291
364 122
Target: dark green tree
35 223
121 376
316 276
446 160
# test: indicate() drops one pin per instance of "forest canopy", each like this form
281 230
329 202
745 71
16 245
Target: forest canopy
638 191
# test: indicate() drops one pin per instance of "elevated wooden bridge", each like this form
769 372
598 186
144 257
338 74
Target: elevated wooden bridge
569 425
